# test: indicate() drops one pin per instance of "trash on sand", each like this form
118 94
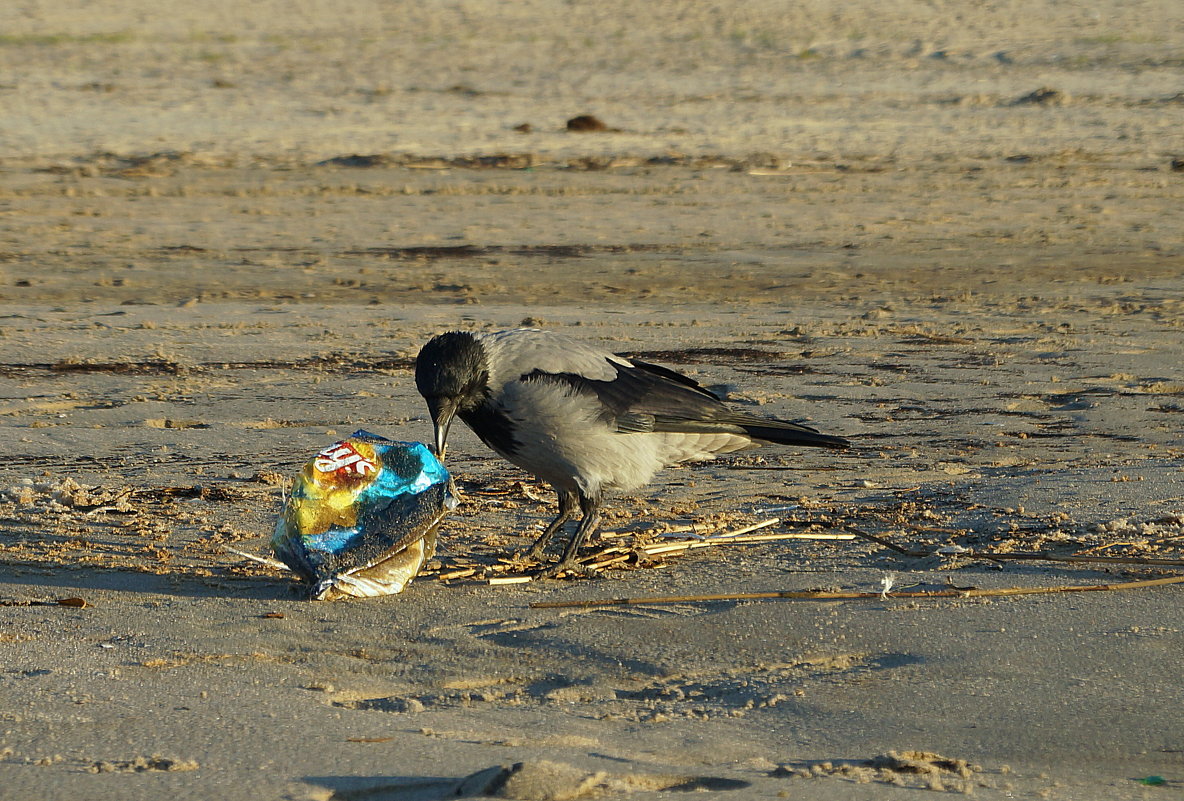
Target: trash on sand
362 517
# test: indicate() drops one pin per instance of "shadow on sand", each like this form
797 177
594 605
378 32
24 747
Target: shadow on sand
78 580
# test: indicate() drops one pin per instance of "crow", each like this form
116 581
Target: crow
582 419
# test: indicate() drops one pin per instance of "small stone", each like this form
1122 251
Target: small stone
586 123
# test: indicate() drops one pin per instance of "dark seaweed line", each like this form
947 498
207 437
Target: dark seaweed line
475 251
159 367
356 363
424 252
130 460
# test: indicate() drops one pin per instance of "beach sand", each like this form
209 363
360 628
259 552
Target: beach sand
949 231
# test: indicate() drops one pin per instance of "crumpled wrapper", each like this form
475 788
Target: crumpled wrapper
362 517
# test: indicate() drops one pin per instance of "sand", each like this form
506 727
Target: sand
950 232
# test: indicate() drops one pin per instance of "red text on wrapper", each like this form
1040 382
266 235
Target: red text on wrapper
343 457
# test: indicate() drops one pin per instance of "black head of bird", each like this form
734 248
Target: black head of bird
452 374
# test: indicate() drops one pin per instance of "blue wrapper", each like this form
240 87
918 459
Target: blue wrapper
362 517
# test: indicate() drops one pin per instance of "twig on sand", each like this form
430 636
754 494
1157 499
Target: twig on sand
695 529
263 560
711 542
464 572
1016 556
1048 557
772 521
860 596
881 541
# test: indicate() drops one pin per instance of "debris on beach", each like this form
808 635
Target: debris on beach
64 494
1044 96
542 779
645 548
587 123
362 517
144 764
915 769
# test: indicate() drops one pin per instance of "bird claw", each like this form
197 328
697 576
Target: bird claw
533 556
560 567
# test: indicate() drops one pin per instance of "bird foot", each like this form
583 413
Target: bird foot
567 566
532 556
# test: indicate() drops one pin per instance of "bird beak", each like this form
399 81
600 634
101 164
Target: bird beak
442 411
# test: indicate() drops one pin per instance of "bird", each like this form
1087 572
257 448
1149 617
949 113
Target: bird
582 419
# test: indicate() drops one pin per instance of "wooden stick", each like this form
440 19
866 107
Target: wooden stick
455 574
705 530
688 528
772 521
511 580
722 540
603 563
859 596
1104 546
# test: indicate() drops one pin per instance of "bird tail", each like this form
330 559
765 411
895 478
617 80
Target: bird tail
789 434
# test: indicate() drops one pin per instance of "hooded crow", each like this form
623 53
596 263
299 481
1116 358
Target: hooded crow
582 419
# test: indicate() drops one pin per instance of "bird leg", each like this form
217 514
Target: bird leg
590 506
567 510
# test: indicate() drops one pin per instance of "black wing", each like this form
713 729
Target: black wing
648 398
